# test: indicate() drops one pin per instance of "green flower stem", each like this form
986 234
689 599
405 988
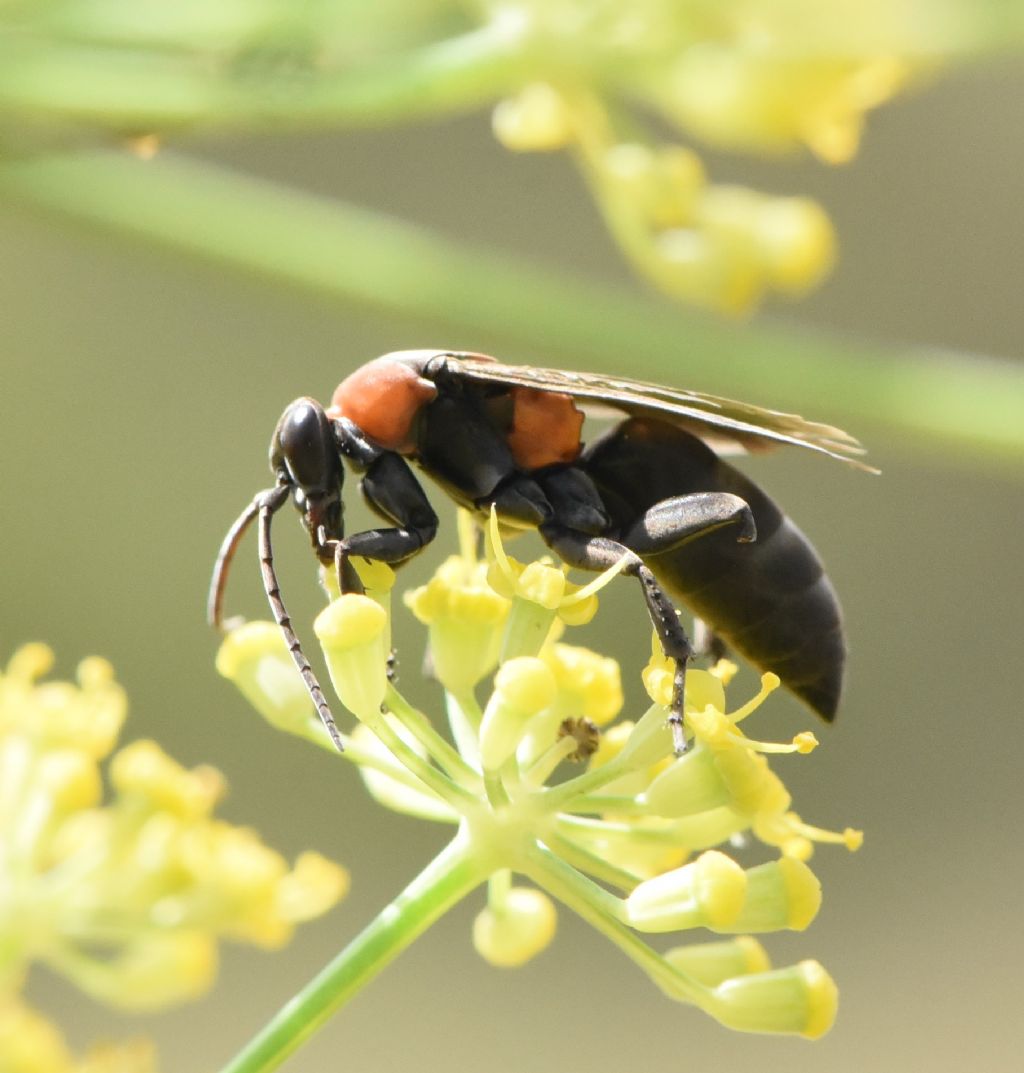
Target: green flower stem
498 886
141 89
494 787
624 832
589 863
598 803
564 794
420 726
431 777
526 629
544 766
603 911
444 882
464 717
967 406
364 758
314 731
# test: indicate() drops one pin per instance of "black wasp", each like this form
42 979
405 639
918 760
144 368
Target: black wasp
652 489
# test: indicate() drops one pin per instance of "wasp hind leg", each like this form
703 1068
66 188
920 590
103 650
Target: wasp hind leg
599 553
666 525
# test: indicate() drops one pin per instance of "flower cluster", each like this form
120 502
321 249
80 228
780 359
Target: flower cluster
129 897
614 83
30 1043
743 75
541 781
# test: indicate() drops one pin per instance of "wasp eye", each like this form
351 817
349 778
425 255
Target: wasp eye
304 445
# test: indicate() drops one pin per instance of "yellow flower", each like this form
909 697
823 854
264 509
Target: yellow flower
127 898
29 1043
542 783
466 620
751 76
517 926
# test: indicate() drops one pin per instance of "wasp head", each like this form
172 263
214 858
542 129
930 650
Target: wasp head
304 456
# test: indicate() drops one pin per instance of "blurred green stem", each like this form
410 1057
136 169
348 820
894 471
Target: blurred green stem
966 406
139 90
444 882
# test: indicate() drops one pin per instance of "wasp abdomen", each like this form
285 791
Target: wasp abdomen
770 599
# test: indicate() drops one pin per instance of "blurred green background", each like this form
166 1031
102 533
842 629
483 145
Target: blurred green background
139 391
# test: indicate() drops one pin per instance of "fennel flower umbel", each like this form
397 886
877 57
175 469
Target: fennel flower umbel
127 897
631 91
542 782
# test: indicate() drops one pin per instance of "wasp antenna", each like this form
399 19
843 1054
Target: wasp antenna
219 580
267 505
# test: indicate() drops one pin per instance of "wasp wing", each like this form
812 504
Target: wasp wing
720 422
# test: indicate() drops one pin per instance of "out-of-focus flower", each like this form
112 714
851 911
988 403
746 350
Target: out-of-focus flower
128 898
743 75
29 1043
624 87
598 815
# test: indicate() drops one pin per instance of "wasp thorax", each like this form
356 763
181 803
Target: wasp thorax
303 447
383 398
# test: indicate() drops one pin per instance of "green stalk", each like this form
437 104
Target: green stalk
447 789
966 406
139 89
444 882
603 912
442 752
589 863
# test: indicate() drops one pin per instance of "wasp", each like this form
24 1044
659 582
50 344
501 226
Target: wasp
653 494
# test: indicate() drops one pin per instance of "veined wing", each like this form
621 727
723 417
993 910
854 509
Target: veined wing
720 422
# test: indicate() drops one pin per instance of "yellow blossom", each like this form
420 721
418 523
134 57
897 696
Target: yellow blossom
29 1043
128 898
765 78
465 617
635 819
515 927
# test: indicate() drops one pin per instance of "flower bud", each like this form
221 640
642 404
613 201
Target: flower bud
780 894
713 963
750 783
589 684
255 658
522 688
352 631
535 120
86 718
157 969
510 934
690 785
466 617
29 1042
800 999
144 771
313 886
29 663
796 243
69 779
703 688
708 892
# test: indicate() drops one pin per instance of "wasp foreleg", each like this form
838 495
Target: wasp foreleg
391 491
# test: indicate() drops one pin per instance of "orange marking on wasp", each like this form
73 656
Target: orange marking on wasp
545 428
382 398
